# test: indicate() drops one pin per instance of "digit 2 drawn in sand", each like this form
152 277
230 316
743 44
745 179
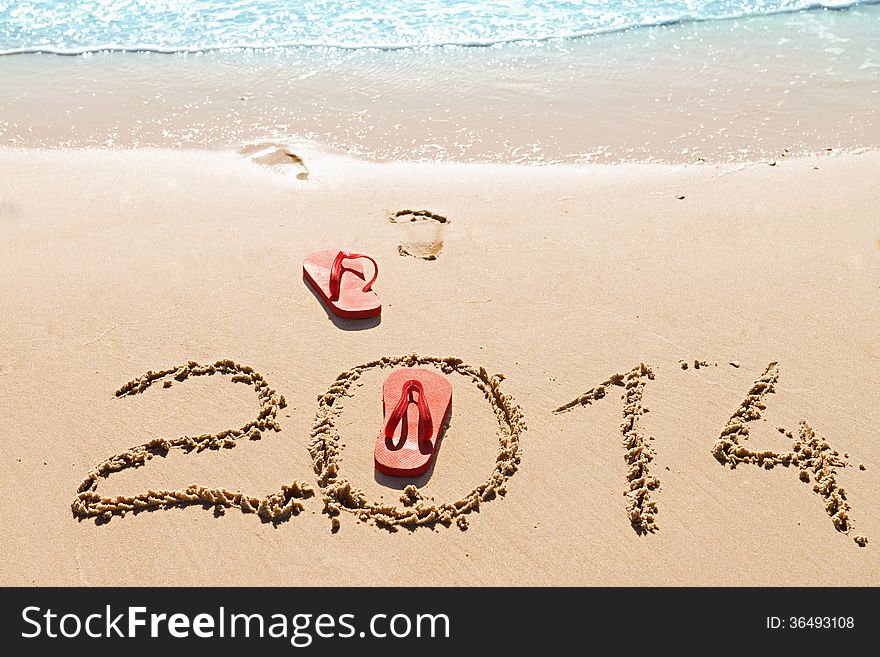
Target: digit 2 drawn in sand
640 508
811 454
279 506
340 495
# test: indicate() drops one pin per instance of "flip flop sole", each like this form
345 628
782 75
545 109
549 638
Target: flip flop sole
405 455
353 302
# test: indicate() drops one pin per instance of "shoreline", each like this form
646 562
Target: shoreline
716 91
116 262
818 5
649 24
283 160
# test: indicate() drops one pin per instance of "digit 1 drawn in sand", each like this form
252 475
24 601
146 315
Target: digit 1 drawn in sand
340 495
640 508
88 503
810 453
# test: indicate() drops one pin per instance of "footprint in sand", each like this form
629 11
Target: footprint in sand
422 233
270 154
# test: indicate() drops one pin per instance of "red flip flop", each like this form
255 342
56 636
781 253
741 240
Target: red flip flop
340 282
416 403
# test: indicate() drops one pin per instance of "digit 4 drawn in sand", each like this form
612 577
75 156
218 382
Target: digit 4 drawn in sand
810 454
640 508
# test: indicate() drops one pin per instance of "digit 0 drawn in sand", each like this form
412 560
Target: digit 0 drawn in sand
422 233
269 154
340 495
277 507
810 454
640 508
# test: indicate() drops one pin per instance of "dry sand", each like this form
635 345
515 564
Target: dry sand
585 289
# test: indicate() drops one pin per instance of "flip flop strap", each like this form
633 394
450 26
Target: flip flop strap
336 272
426 426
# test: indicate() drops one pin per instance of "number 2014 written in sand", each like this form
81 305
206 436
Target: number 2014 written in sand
810 456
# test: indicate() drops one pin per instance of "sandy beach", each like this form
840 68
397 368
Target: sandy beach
554 280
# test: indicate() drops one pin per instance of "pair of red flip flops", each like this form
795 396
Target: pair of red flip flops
416 402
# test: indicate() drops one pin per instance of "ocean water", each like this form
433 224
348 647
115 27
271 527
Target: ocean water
66 27
557 82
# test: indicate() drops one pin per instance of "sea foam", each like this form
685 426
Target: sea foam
172 26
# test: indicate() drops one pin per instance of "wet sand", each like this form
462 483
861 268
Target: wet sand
739 90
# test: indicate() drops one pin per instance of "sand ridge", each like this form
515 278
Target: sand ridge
697 364
88 503
340 495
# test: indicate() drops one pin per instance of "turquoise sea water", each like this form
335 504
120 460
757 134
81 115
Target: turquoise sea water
642 80
197 25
